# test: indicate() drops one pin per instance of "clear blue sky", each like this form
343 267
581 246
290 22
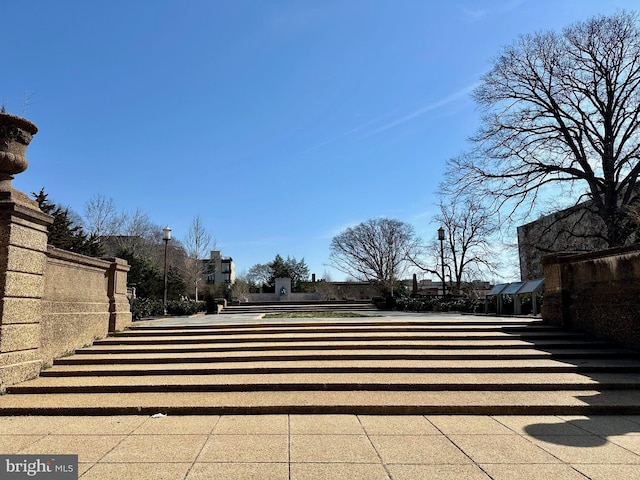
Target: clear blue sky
279 122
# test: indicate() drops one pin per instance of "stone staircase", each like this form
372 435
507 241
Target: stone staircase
430 364
258 308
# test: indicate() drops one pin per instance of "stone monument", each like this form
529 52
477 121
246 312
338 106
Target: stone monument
283 289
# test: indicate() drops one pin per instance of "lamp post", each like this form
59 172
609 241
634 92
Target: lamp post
441 238
166 236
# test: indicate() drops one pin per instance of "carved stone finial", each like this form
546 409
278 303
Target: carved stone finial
15 135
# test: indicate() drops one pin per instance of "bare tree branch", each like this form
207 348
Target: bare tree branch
377 250
561 108
197 245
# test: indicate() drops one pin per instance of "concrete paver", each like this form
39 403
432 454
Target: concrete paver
115 425
138 471
246 449
89 448
338 471
14 444
607 425
372 447
325 425
441 472
247 424
157 448
610 472
238 471
332 448
501 449
629 442
418 449
532 472
182 425
397 425
540 425
582 449
473 424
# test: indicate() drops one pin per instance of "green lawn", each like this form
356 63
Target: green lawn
326 314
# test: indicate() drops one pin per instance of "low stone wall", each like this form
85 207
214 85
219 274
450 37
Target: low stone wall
291 297
596 292
84 299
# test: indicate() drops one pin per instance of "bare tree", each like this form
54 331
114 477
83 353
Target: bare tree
470 246
469 227
259 275
374 251
139 235
197 245
101 217
561 109
240 288
119 230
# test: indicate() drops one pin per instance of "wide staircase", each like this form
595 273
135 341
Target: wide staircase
431 364
258 308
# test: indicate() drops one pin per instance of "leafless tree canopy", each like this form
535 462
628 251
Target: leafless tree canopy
469 227
117 230
197 245
376 251
101 217
562 109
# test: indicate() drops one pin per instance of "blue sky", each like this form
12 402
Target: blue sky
279 122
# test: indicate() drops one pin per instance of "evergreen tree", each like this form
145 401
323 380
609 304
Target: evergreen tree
65 233
148 276
144 274
265 274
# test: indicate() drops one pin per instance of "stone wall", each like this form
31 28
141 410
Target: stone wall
291 297
51 301
84 299
597 292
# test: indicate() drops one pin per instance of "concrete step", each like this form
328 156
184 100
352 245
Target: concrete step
330 381
285 355
342 324
277 307
244 338
445 364
470 365
309 330
584 402
452 345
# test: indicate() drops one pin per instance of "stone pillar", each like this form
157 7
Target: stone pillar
23 246
119 310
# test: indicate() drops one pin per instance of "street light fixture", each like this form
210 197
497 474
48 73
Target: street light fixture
166 236
441 238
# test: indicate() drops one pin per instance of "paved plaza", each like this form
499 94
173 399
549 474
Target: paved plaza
353 447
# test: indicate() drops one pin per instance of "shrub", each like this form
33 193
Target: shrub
145 307
417 304
185 307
